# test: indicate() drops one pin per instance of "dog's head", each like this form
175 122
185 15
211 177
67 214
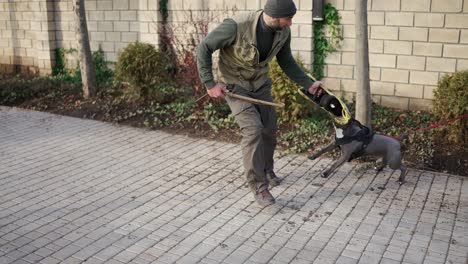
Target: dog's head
347 129
335 107
337 110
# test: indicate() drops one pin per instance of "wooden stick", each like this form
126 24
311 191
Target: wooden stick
201 98
252 100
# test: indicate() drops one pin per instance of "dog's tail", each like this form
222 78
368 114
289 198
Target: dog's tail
404 140
403 137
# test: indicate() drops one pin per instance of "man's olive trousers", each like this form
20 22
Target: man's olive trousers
258 129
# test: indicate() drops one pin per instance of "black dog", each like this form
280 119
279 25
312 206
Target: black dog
357 140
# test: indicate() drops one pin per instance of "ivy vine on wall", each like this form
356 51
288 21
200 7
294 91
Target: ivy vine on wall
163 28
322 44
163 10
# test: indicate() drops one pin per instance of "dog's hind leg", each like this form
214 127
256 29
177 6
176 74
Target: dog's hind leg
319 153
395 164
401 179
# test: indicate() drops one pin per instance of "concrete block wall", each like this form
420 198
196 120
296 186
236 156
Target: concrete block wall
26 28
193 18
412 44
112 24
31 30
184 13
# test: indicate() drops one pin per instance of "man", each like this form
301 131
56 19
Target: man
246 44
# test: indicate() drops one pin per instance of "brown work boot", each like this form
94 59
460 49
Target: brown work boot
264 198
273 180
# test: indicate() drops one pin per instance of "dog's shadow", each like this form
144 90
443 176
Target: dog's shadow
318 191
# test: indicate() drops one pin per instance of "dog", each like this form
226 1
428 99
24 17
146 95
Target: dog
356 140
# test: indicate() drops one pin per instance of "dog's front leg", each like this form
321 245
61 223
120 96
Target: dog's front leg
342 159
319 153
379 167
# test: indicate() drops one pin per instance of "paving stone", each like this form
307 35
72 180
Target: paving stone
389 261
82 191
346 260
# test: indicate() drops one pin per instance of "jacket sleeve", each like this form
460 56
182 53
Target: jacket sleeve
222 36
289 65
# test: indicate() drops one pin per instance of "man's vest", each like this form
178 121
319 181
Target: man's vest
239 64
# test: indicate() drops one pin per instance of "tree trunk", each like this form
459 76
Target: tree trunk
88 76
363 95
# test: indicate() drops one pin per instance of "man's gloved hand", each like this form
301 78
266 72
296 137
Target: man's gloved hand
314 87
217 91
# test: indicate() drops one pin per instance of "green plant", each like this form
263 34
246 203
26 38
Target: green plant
284 90
180 110
450 101
323 46
216 116
163 10
60 62
143 67
104 75
15 91
305 133
167 93
150 114
61 71
163 27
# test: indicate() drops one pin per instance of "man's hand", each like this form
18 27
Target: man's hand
314 87
217 91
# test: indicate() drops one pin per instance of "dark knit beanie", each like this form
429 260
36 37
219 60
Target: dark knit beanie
280 8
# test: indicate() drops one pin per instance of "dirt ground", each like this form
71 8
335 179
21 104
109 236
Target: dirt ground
445 157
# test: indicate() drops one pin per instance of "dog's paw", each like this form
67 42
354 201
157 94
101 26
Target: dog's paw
378 168
312 157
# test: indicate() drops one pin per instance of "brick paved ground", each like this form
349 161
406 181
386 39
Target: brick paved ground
75 191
